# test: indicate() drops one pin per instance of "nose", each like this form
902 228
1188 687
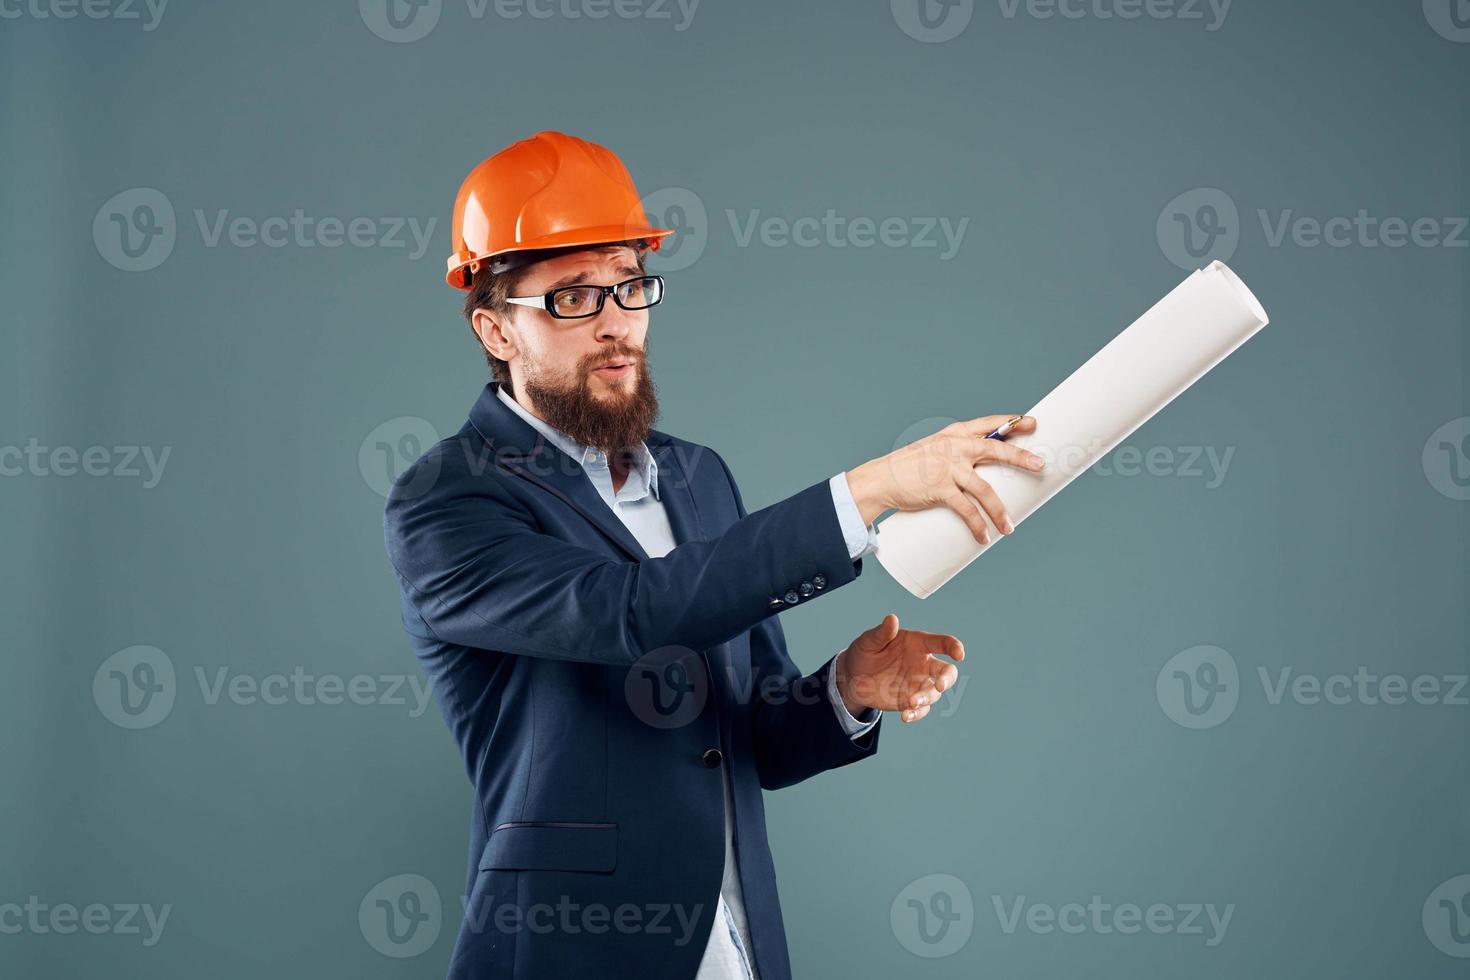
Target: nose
614 323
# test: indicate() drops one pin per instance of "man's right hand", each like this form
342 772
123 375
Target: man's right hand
940 470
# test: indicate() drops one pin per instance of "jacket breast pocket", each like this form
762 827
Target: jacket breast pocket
540 845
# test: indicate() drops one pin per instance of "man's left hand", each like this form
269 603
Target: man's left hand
894 669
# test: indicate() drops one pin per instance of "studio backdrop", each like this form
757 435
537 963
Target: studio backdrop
1214 719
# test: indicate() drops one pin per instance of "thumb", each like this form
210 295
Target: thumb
881 635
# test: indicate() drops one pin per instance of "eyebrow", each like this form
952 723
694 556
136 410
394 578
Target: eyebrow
629 270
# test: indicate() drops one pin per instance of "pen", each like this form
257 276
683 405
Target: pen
1005 429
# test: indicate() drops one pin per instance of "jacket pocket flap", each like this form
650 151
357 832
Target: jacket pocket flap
545 846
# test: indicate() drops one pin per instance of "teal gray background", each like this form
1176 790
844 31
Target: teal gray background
1334 540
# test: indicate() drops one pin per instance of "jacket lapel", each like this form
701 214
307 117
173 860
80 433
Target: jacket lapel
731 675
519 449
675 489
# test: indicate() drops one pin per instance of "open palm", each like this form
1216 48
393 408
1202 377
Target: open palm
894 669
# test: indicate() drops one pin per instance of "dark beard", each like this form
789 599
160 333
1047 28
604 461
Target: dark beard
616 425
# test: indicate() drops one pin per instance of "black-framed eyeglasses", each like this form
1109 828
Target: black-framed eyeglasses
575 302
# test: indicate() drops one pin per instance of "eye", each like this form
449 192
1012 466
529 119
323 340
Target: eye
575 300
640 292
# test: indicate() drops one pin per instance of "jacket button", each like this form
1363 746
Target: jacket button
712 758
791 597
820 581
776 603
805 588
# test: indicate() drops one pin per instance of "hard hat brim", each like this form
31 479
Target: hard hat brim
462 267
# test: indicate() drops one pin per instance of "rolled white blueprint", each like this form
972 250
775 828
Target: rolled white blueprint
1122 386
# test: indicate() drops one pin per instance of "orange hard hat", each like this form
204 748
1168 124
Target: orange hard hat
547 192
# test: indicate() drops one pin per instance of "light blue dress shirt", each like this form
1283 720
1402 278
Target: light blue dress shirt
638 506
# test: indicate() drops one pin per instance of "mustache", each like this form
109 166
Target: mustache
617 357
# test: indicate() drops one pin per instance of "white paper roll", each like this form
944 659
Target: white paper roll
1122 386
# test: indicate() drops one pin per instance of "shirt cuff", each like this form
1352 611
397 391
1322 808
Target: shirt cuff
855 727
861 540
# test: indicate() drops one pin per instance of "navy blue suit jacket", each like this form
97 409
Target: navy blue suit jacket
598 695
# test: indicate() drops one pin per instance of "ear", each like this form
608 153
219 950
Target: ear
493 330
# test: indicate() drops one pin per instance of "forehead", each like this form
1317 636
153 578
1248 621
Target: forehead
603 266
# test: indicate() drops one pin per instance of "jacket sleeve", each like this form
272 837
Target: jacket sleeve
797 733
474 570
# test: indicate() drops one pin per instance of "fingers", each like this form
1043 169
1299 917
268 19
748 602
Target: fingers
987 424
925 695
982 450
967 481
928 686
931 643
928 681
962 505
945 675
929 693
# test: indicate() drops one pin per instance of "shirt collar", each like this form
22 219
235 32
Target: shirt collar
645 467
